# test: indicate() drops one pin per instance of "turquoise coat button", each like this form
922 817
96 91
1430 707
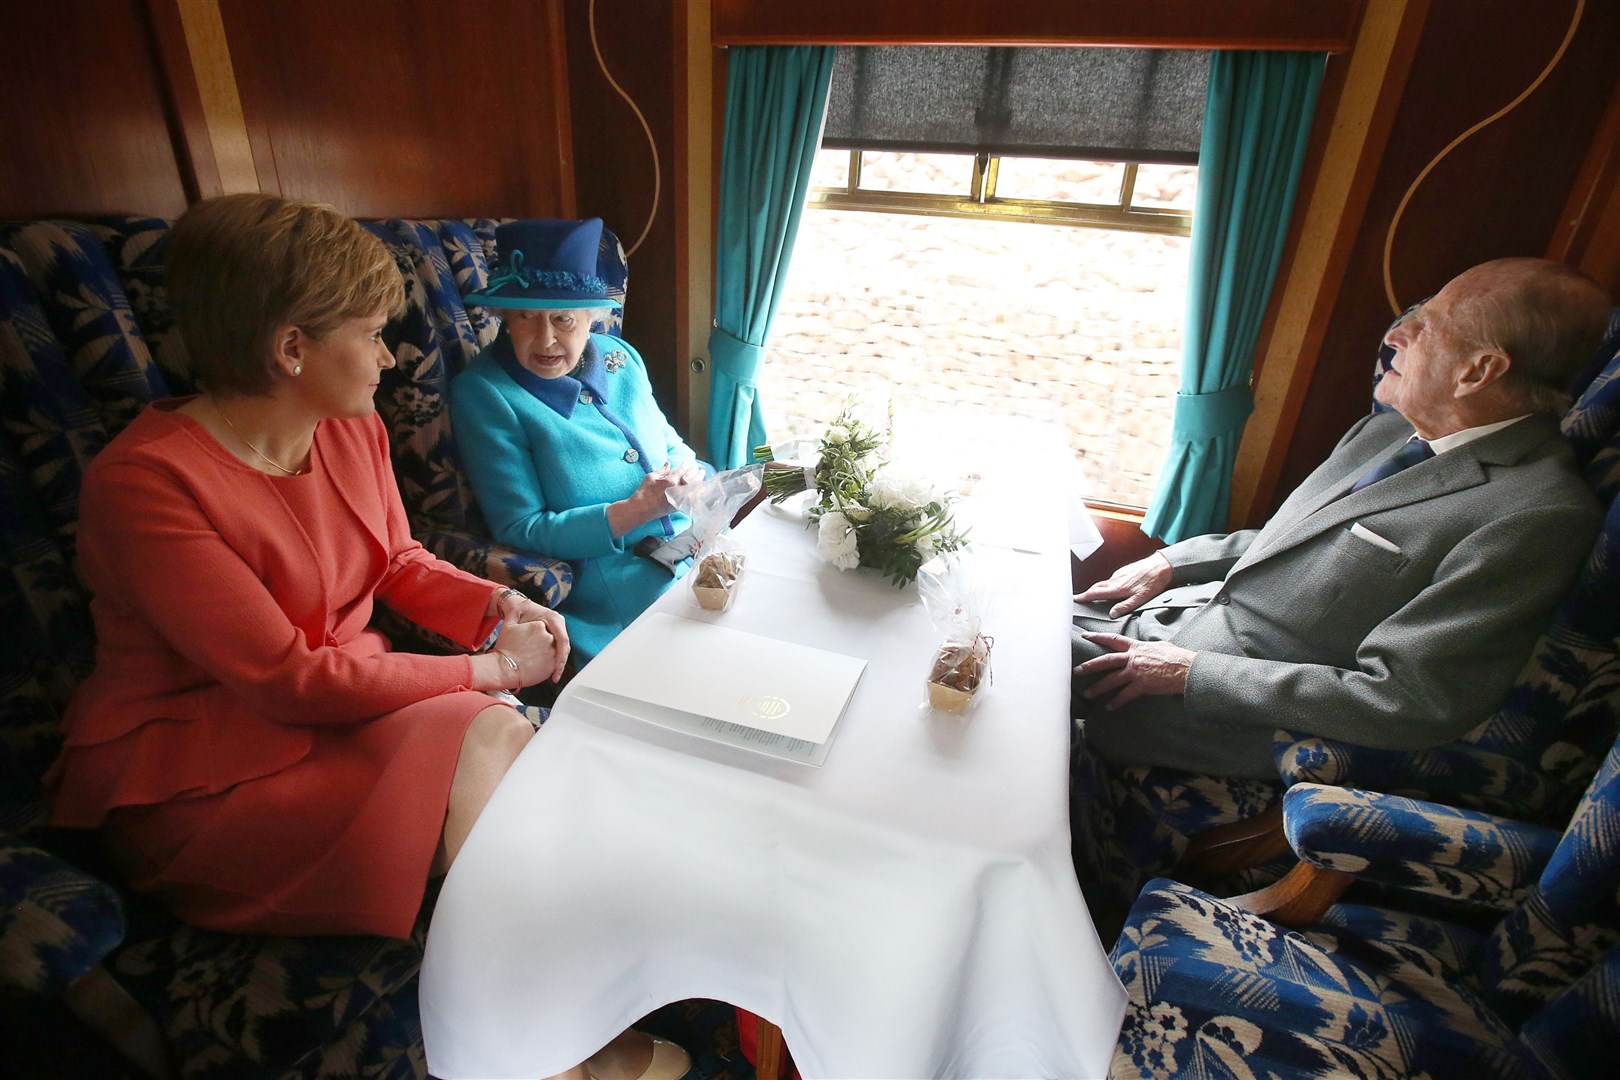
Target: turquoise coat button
631 456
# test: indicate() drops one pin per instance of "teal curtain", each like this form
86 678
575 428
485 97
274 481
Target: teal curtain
776 99
1257 120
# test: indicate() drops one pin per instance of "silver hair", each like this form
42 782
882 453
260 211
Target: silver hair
1547 318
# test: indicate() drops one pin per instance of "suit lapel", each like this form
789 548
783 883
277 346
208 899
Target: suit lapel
1330 504
1333 479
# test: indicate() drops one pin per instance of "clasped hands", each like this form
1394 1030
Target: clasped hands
533 636
1132 669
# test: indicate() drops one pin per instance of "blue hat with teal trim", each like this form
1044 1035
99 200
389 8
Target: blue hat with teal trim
546 264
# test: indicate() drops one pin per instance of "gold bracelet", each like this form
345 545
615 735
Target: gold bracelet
513 664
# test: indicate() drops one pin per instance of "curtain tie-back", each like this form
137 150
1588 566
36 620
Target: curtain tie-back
735 357
1201 417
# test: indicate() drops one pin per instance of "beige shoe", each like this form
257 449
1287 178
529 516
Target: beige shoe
669 1062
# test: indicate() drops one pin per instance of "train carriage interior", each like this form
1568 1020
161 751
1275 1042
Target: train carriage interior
1170 234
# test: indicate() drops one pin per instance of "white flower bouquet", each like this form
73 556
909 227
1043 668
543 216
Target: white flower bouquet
866 512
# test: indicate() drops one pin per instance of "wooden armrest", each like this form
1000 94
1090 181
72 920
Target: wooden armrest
1301 898
768 1049
1237 845
108 1009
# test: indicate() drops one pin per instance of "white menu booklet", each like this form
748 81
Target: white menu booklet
729 686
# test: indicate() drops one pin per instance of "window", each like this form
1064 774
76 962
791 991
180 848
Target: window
1020 266
1131 195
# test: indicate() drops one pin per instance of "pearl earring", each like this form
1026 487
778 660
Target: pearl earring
298 369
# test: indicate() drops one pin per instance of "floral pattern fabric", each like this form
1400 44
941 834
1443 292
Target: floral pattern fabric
1458 855
1370 992
56 922
1572 918
1461 774
1215 991
1129 825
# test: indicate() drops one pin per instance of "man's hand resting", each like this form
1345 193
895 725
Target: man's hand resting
1133 668
1133 585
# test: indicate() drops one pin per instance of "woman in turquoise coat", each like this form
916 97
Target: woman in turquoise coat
568 452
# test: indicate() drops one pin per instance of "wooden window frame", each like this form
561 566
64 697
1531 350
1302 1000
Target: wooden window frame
982 203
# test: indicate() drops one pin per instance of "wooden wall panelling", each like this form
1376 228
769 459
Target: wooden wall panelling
407 108
1354 124
694 193
207 66
194 150
1588 233
84 114
1499 193
616 176
1190 24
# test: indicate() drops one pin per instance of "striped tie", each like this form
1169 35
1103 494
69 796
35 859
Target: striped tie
1410 453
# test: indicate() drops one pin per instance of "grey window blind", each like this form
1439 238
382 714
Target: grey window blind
1095 104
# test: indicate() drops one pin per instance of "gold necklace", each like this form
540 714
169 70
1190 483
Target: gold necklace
261 454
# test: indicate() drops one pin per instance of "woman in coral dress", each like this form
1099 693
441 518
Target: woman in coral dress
259 757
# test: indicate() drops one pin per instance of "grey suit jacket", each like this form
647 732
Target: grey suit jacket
1306 625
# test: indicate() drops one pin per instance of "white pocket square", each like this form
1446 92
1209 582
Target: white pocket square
1361 531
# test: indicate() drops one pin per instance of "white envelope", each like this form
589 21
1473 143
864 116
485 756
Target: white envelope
728 675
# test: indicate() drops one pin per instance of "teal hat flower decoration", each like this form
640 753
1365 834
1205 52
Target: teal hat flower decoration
546 264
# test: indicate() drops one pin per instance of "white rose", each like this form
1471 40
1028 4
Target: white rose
835 541
908 491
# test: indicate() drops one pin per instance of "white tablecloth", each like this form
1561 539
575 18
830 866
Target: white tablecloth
906 910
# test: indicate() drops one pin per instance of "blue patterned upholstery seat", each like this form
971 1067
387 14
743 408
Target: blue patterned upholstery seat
1530 759
86 341
1533 991
442 261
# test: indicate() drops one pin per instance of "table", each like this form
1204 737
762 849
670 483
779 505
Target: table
906 910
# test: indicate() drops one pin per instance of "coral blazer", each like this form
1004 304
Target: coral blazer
220 645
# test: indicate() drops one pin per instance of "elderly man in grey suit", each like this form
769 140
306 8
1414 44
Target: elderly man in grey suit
1396 593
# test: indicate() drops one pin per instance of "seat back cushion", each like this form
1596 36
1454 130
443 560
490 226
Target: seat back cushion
1571 919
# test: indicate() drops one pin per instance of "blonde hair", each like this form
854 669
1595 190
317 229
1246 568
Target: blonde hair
240 267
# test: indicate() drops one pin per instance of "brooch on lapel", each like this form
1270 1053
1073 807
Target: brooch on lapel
615 359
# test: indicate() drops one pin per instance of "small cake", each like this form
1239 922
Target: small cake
714 580
958 669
